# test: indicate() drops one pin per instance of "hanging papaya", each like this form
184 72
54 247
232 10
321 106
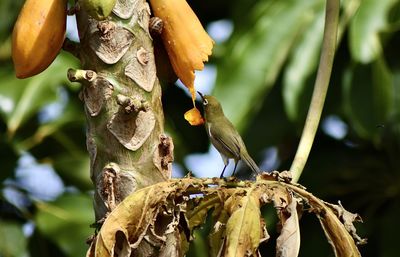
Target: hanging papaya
38 35
187 43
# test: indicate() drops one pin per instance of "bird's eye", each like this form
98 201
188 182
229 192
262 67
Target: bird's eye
205 102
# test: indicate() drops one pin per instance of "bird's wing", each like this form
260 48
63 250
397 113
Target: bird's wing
226 139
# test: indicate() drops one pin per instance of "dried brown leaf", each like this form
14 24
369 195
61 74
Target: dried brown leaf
348 219
131 218
265 235
216 239
342 243
243 229
198 215
288 242
92 248
172 246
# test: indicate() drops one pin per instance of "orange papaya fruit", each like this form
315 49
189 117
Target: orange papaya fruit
187 43
38 35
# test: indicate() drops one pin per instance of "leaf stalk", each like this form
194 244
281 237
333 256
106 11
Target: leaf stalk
320 88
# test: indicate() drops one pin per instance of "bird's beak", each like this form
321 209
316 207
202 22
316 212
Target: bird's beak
201 95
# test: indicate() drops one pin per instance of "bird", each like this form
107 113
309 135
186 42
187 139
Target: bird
224 136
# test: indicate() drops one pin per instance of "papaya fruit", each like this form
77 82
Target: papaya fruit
98 9
187 43
193 116
38 35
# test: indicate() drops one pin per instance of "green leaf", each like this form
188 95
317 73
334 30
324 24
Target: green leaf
8 12
13 242
62 142
300 74
21 99
71 117
302 64
47 248
9 159
197 246
368 97
74 170
258 51
66 222
370 20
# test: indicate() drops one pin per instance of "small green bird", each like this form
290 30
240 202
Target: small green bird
224 136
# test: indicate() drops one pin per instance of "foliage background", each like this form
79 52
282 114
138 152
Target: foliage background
265 73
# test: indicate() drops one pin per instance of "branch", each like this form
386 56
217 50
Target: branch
320 88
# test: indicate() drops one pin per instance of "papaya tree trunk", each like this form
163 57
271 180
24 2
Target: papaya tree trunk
122 100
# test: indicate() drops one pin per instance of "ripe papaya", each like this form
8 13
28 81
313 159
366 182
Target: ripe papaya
38 35
98 9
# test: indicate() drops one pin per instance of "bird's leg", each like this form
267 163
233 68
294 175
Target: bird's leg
222 174
226 161
234 169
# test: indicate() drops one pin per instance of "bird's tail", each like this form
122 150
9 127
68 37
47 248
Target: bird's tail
249 161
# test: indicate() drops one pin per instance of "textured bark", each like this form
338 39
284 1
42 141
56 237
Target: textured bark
122 99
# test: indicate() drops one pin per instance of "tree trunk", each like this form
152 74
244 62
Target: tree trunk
122 99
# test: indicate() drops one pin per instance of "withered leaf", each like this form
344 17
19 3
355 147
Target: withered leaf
243 229
172 245
288 242
131 218
198 215
336 233
348 219
217 236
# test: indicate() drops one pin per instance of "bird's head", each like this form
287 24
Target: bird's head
212 108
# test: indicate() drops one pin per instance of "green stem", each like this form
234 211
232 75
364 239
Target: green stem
320 88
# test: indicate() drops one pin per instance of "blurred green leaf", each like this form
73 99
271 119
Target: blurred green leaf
175 102
12 240
370 20
302 65
257 55
389 229
271 123
40 246
74 170
394 17
71 116
9 10
21 99
368 97
5 49
65 150
198 245
66 222
62 142
299 75
9 160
